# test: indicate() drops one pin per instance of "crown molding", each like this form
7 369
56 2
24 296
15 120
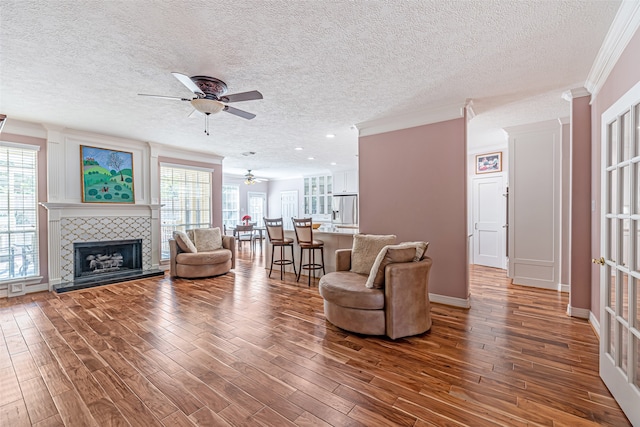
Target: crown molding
575 93
425 117
23 128
471 113
623 27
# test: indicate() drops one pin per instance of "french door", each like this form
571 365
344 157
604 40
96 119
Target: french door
257 207
620 272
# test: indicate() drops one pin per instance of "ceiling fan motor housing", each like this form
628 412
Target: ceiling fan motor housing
212 87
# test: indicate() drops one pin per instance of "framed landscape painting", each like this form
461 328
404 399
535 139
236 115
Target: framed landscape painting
107 175
487 163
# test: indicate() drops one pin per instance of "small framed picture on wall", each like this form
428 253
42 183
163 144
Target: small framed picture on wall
490 162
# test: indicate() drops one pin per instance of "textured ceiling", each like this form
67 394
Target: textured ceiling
322 67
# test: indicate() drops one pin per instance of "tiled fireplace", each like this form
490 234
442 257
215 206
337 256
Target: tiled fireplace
75 227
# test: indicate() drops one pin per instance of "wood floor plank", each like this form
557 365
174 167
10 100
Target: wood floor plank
159 404
137 413
176 392
205 417
203 392
243 349
14 414
55 421
39 403
73 410
9 386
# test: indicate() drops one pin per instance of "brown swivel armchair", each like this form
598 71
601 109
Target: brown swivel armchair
402 308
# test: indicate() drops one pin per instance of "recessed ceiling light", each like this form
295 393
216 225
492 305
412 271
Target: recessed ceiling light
311 158
333 163
330 135
298 148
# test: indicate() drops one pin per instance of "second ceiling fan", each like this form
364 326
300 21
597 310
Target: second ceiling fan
210 96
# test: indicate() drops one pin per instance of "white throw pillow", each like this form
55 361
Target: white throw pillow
207 239
366 248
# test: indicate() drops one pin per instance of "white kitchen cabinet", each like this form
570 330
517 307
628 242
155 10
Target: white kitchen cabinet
317 196
345 182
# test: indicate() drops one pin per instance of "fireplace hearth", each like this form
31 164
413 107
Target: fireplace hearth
106 262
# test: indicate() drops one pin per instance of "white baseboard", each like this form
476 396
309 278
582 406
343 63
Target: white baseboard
456 302
19 287
594 324
581 313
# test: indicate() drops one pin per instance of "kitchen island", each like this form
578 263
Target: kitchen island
333 237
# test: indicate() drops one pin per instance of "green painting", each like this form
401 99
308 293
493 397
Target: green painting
107 175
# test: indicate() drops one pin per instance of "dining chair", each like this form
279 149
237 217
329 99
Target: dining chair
244 233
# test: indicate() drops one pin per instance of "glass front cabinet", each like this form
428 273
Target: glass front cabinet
317 195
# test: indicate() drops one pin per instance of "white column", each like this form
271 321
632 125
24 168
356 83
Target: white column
55 272
534 204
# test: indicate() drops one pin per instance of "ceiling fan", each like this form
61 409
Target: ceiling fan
250 178
210 96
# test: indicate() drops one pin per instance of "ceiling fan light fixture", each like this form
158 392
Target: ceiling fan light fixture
250 179
207 106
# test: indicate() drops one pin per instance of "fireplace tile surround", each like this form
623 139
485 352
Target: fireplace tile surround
95 229
71 223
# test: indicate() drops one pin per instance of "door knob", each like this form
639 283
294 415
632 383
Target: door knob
598 261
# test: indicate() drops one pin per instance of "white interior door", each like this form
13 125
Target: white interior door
289 207
620 272
488 221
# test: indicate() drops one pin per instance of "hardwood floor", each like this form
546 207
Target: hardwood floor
242 349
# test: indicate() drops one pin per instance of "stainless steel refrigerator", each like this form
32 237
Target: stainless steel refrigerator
345 209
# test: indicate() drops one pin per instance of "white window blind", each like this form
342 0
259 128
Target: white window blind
230 205
185 194
18 213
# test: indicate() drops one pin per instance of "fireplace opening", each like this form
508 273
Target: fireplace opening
93 260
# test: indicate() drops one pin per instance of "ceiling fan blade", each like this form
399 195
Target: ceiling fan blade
165 97
243 96
186 80
240 113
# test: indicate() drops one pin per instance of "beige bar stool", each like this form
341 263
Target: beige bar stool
304 235
275 232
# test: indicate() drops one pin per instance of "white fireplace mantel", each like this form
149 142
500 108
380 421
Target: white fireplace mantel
104 209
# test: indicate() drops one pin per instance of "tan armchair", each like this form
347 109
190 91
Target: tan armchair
400 309
198 264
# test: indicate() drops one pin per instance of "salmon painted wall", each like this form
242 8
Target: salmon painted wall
580 296
413 184
624 76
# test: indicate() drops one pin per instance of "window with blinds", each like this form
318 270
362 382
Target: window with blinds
185 194
18 212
